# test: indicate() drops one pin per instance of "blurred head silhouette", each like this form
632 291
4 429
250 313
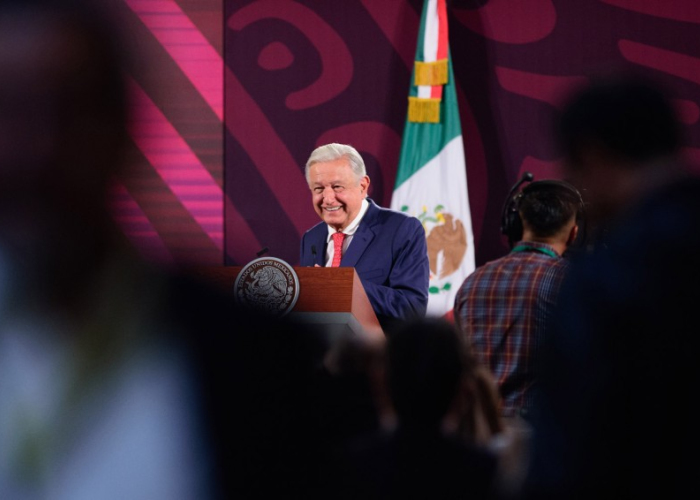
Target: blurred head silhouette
621 330
62 104
619 137
62 130
425 362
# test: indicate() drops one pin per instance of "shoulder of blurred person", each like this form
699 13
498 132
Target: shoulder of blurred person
260 382
119 379
620 359
620 362
434 433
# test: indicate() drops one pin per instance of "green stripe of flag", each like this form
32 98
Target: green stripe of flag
423 141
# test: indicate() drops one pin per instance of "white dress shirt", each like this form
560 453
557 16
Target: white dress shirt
349 232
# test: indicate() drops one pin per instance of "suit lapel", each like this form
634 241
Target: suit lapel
319 241
362 238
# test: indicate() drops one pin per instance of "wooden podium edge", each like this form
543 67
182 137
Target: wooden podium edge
330 296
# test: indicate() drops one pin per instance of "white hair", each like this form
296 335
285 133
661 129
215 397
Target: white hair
335 151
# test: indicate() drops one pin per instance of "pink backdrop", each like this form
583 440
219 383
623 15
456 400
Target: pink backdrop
261 83
170 201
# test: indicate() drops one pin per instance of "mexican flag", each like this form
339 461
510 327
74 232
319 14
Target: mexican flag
431 182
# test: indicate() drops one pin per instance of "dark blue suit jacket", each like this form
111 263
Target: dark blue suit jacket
390 255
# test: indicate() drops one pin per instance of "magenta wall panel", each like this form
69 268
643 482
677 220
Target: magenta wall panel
302 73
262 82
170 203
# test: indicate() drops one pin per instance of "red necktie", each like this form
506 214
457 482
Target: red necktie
337 248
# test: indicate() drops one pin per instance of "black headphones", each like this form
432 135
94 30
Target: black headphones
512 225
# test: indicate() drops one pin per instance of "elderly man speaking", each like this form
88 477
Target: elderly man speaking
386 248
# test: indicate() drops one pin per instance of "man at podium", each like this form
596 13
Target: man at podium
387 248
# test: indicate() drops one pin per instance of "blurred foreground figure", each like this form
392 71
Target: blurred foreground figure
95 401
621 363
116 380
434 450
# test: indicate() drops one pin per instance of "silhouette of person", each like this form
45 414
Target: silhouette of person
620 365
118 380
421 457
503 307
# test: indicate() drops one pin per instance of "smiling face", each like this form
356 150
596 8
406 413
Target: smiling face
336 191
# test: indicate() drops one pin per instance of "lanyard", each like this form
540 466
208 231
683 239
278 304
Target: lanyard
546 251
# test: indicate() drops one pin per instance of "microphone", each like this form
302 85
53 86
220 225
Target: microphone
313 252
527 177
509 204
262 251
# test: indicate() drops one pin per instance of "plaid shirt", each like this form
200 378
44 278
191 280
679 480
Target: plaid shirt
503 308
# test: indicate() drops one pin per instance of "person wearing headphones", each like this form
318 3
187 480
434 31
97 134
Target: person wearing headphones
504 306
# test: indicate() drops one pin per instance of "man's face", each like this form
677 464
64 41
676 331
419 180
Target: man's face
336 192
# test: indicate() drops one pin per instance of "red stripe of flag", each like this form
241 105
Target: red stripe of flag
436 90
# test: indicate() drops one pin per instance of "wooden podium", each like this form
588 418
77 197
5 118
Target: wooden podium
330 297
